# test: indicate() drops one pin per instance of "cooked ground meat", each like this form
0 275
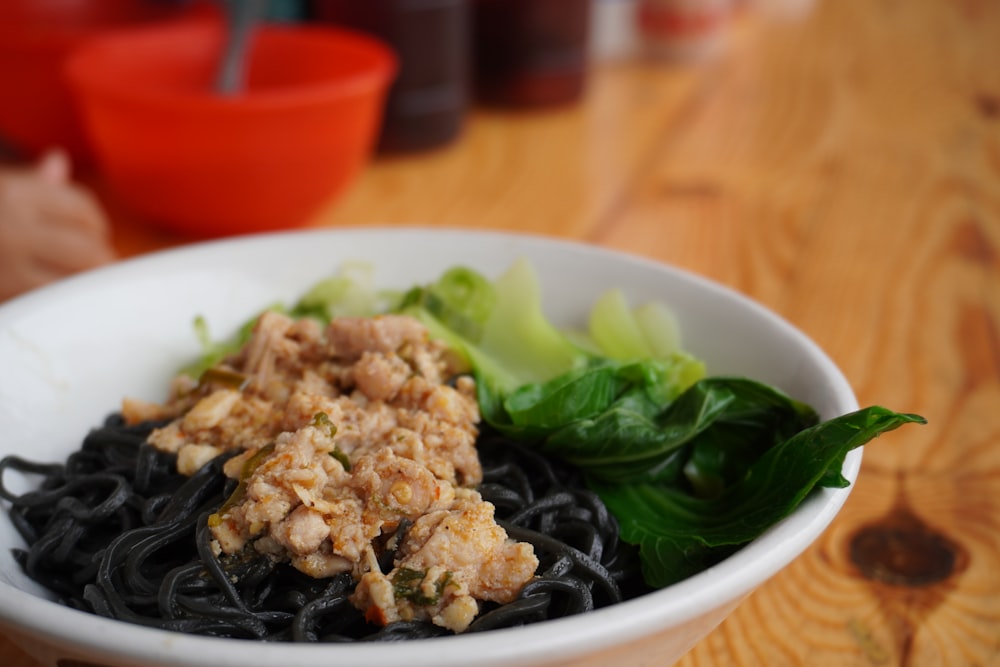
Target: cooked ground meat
346 435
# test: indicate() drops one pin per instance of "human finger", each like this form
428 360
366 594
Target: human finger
53 167
70 206
24 275
68 250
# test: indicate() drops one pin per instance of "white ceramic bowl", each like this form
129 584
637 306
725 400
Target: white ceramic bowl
71 351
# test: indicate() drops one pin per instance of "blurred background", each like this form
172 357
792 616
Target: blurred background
836 160
459 102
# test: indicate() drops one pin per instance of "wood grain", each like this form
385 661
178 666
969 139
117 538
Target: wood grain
856 191
845 171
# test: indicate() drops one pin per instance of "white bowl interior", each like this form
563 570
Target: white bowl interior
70 352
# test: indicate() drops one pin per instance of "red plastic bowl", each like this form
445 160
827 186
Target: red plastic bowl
182 156
37 112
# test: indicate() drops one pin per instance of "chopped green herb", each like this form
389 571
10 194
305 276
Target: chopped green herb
225 377
342 457
234 499
408 583
322 420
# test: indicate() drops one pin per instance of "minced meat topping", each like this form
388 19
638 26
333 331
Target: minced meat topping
351 443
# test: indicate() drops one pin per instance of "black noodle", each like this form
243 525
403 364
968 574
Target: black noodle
118 532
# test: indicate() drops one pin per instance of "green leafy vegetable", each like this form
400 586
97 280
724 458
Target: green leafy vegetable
679 534
239 493
351 292
615 329
720 424
461 300
693 467
521 344
215 351
660 329
514 344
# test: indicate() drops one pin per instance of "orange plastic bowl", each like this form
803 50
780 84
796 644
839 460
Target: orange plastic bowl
191 160
36 36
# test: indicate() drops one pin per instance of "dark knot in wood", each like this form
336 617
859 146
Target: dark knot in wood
901 550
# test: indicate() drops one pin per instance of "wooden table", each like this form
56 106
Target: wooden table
845 171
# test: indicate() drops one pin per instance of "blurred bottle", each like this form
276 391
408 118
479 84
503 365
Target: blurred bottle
782 10
685 30
614 32
428 101
530 52
285 11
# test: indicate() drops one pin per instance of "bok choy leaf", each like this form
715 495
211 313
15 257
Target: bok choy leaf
679 534
693 467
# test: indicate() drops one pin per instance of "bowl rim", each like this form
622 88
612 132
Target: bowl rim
87 79
727 582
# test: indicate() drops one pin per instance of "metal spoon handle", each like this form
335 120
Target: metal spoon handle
242 16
